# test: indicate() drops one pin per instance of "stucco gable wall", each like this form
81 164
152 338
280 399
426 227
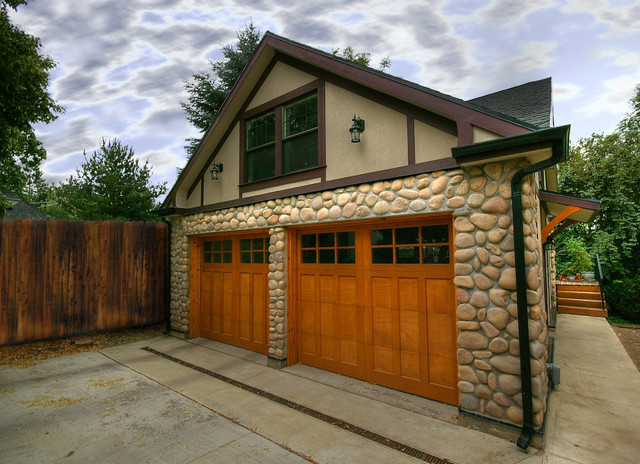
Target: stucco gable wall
282 79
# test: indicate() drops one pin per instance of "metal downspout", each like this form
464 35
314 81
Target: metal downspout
521 290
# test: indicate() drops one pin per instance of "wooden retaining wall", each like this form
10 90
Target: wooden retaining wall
59 278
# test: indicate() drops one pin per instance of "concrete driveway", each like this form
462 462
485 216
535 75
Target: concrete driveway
89 408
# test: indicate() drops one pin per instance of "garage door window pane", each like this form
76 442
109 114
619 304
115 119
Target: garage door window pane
382 237
346 239
408 236
217 258
327 256
435 234
258 257
326 240
309 241
226 258
216 245
245 257
407 255
245 244
309 256
346 255
227 245
435 255
382 255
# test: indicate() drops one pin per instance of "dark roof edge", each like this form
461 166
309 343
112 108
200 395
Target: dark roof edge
413 85
558 137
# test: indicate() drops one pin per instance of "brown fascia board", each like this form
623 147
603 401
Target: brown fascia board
568 200
464 113
403 89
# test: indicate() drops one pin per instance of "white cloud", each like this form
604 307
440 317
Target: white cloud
615 99
565 92
505 12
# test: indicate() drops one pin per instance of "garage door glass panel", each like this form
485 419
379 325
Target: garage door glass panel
217 251
407 235
252 251
328 248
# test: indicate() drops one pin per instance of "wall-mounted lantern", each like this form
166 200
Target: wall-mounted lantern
216 169
356 129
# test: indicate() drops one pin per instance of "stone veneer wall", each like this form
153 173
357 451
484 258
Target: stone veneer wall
479 199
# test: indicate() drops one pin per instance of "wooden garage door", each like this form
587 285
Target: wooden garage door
233 290
377 302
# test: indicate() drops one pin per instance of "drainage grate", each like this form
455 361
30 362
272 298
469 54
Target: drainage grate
369 435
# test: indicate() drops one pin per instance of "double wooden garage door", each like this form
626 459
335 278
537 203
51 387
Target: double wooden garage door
377 302
374 301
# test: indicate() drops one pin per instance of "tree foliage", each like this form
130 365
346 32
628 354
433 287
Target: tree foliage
209 89
607 167
24 101
110 184
363 58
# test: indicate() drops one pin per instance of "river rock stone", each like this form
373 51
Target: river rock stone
472 341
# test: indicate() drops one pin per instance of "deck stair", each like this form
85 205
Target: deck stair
580 298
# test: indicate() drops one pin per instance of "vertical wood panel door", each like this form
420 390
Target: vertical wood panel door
234 294
377 302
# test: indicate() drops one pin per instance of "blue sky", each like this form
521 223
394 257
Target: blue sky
122 64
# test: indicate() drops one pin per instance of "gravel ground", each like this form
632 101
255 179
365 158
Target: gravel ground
27 354
629 335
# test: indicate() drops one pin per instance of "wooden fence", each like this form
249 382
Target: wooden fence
59 278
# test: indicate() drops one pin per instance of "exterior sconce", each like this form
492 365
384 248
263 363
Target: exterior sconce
356 129
216 169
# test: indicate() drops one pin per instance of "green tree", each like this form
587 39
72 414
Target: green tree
209 89
24 101
607 167
364 58
110 184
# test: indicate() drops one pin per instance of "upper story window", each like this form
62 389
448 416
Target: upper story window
282 140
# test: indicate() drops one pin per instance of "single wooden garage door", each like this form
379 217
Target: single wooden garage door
233 290
377 302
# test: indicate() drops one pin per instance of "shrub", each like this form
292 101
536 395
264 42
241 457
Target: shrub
623 298
574 258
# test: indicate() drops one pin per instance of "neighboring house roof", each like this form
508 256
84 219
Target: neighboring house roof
20 209
530 102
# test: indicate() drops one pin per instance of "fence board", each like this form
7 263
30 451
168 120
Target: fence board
60 278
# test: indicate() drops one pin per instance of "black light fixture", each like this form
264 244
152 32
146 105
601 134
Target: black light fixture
356 129
216 168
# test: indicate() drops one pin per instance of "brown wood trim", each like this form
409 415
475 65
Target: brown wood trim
465 132
194 287
411 141
419 168
292 95
322 129
202 189
292 298
439 122
553 197
403 90
283 179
